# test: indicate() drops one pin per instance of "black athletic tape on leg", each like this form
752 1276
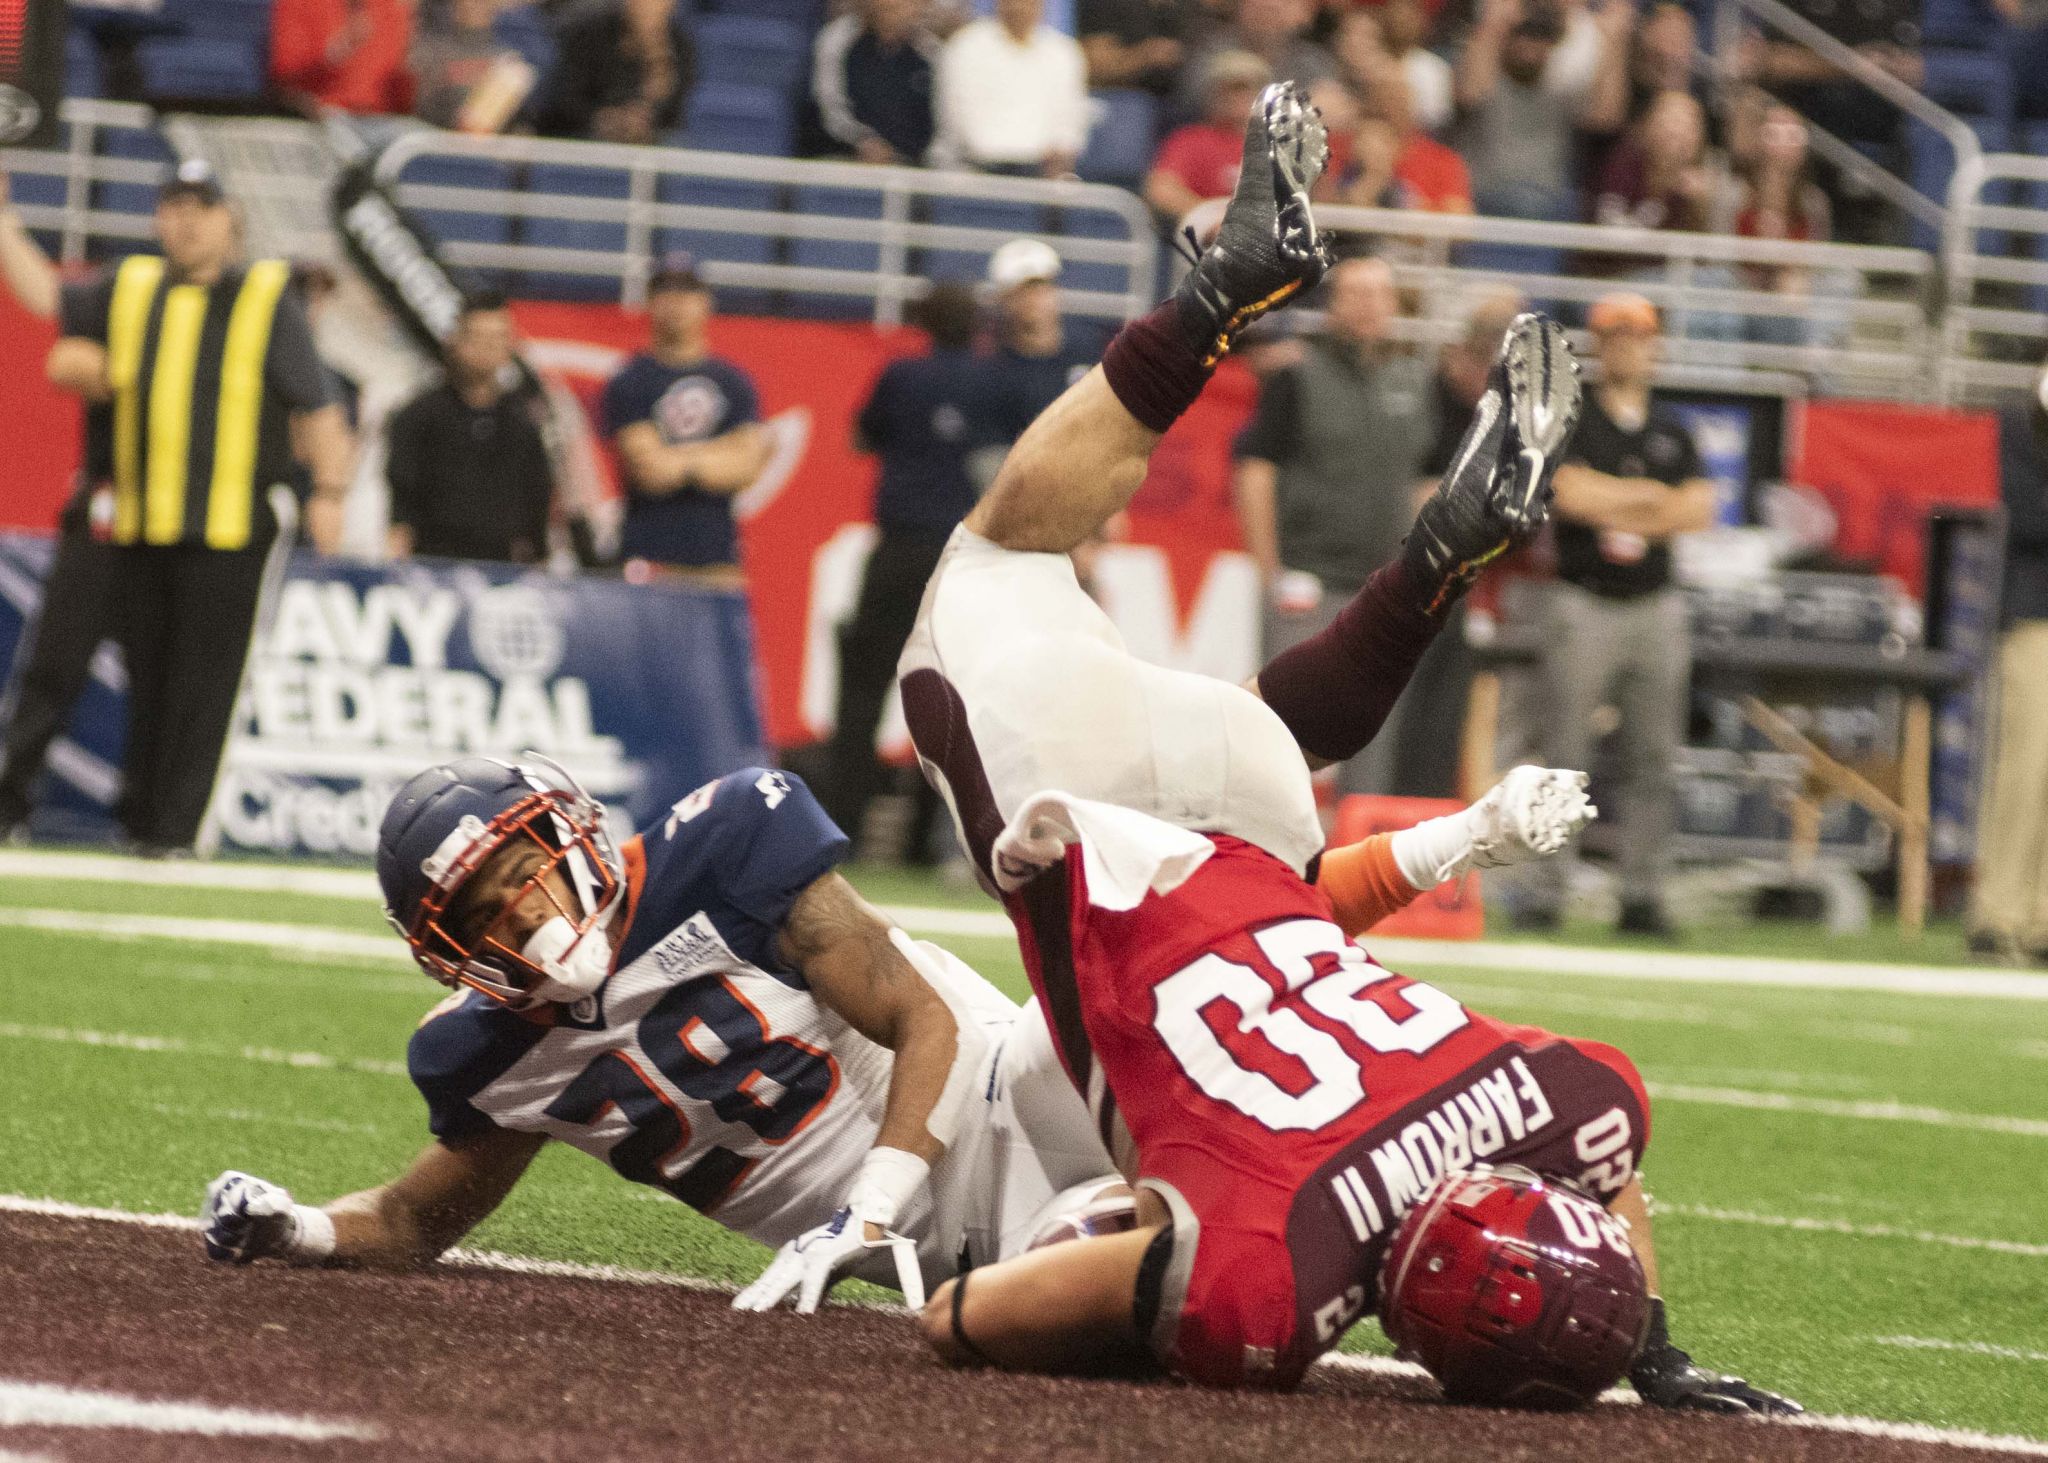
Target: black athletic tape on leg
959 1331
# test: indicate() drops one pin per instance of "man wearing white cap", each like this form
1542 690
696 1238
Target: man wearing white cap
1033 361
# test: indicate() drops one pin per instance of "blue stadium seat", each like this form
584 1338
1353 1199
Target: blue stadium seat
807 15
1121 144
1089 274
524 29
545 179
750 50
226 20
969 265
208 68
490 225
1958 23
143 145
1932 163
1969 81
712 245
84 72
728 118
835 253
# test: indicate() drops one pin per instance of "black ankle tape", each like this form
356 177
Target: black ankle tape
959 1331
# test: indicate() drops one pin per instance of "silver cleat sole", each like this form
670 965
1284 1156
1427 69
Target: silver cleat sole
1543 404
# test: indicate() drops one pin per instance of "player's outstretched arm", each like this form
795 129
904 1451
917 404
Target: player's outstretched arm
1662 1374
1069 1309
1529 814
401 1225
895 994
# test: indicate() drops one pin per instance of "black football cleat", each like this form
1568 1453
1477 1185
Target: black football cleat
1266 250
1498 490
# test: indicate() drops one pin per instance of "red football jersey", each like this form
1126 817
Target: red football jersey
1290 1099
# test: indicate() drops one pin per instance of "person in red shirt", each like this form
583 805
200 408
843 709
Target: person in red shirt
348 54
1398 164
1200 161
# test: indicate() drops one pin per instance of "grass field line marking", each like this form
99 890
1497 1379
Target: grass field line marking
1973 1348
178 1046
271 1119
1807 1225
1834 1107
95 868
1348 1361
301 940
44 1404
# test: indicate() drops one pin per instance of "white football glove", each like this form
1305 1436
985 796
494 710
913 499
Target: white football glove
818 1259
1529 814
246 1218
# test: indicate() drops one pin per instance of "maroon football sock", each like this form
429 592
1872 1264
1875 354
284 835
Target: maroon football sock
1336 689
1153 369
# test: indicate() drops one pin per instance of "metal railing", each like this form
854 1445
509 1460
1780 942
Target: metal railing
1994 332
1864 326
898 203
81 169
1774 16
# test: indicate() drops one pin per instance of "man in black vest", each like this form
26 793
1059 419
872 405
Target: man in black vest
1616 632
208 370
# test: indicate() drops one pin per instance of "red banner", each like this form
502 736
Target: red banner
1453 911
1885 466
41 423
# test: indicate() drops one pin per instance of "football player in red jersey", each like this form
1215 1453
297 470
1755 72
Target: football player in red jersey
1279 1100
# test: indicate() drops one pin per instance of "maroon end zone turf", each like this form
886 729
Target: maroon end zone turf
463 1364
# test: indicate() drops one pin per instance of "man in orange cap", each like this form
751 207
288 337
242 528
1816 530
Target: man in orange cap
1616 631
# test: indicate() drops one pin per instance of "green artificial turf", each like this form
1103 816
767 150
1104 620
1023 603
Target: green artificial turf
286 1064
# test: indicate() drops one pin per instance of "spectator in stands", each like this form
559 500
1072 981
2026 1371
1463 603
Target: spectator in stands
871 81
1405 27
1201 160
470 476
2024 44
1616 632
348 54
199 502
623 72
1657 176
1328 473
922 419
76 611
1779 198
2009 908
686 426
1034 358
1397 164
1137 43
1276 31
464 76
1012 95
1664 56
1885 33
1515 128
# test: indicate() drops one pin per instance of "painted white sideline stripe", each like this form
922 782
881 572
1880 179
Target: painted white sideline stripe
1830 1107
1376 1365
296 940
178 1046
1806 1225
42 1404
95 868
1974 1348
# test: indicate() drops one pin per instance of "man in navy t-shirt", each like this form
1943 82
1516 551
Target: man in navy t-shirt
687 429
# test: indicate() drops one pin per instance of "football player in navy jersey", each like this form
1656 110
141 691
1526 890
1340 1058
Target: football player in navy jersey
713 1011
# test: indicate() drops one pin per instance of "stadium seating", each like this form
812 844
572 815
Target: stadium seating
807 15
1932 163
1975 83
1958 23
84 72
835 253
524 29
217 52
548 179
751 50
968 265
725 117
126 142
1120 144
717 245
489 226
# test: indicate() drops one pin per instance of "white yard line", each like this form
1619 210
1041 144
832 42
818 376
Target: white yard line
1830 1107
95 868
263 1119
299 941
178 1046
1372 1365
42 1404
1973 1348
1807 1225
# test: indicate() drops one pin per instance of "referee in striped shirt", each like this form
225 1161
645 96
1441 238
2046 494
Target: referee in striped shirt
209 372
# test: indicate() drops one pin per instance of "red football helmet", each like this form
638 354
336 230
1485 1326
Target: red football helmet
1514 1290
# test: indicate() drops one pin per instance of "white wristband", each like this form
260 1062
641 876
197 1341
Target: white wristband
312 1240
1432 851
887 1179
